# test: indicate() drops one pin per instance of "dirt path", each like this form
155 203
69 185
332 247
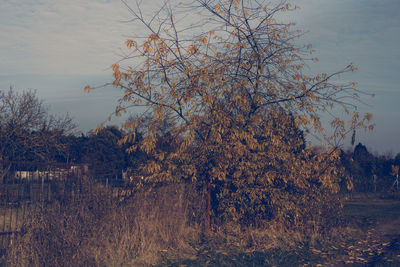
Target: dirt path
390 229
379 245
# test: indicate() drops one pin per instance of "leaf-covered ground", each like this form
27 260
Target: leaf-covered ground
377 240
372 238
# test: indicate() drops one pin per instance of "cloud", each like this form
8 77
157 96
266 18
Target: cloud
85 37
75 36
365 33
63 36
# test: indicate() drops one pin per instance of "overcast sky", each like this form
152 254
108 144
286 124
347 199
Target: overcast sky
59 46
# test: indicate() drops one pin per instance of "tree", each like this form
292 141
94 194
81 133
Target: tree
237 94
395 173
363 169
105 156
27 131
397 159
76 148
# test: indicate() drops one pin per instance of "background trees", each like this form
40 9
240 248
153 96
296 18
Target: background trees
369 172
27 131
103 154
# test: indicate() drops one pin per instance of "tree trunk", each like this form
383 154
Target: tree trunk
208 215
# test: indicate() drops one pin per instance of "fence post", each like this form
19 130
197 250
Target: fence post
42 191
49 190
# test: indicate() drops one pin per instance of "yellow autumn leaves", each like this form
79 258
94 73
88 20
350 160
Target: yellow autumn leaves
237 105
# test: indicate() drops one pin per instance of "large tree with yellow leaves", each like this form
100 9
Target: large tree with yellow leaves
232 83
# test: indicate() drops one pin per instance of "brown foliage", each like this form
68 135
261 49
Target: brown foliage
236 95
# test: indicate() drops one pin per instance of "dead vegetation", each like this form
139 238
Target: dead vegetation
94 229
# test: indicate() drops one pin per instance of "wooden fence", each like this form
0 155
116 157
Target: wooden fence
26 187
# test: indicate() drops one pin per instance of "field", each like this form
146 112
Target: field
370 236
150 229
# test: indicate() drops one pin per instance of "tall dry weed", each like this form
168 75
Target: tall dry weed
94 229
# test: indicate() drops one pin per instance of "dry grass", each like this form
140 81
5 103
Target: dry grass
94 230
271 236
97 227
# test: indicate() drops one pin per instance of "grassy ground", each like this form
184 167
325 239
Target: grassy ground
371 237
368 236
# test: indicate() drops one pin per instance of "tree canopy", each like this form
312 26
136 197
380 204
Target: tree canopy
239 101
27 130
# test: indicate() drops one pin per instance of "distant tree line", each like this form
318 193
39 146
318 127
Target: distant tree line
28 132
369 172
